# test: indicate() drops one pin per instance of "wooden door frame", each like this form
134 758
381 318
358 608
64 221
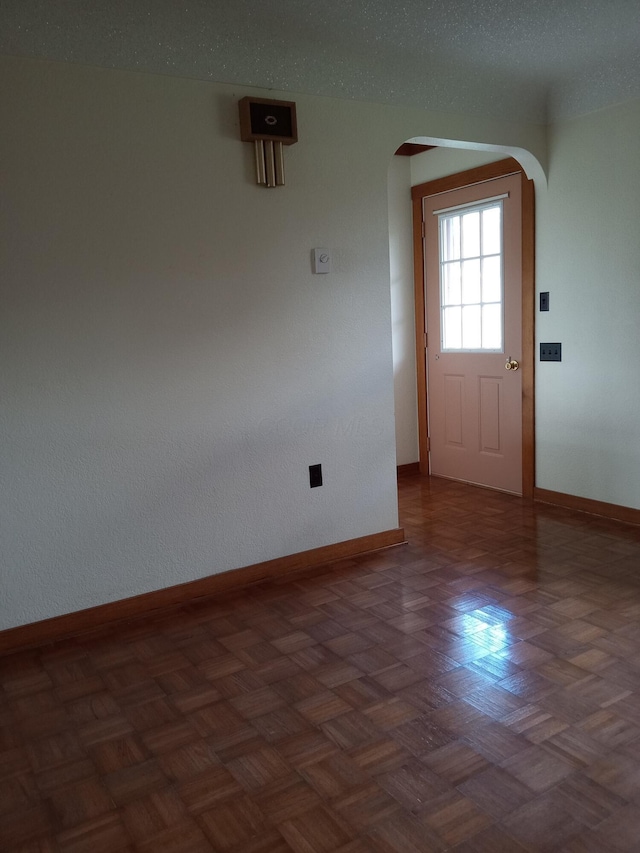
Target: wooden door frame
453 182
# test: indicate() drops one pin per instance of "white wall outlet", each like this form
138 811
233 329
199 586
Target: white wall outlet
321 261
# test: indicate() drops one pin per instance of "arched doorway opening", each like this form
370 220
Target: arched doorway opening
445 161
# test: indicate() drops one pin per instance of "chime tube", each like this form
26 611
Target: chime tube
270 164
261 175
278 157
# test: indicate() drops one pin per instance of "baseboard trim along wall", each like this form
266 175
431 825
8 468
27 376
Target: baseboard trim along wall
92 618
410 468
619 513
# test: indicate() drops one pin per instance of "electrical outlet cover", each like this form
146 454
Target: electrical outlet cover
315 476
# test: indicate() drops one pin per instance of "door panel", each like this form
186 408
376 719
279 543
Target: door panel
475 404
453 417
490 412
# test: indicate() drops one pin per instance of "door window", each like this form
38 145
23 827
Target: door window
471 286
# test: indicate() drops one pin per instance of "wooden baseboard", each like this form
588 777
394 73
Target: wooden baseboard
619 513
48 630
411 468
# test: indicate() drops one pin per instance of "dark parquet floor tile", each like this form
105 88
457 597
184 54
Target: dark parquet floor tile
477 689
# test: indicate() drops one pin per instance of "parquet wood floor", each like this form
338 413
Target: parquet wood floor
476 690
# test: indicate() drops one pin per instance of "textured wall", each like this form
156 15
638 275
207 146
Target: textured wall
441 162
402 310
170 364
588 258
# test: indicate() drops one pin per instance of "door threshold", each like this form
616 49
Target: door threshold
477 485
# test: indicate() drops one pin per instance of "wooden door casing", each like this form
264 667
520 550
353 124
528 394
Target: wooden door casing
527 366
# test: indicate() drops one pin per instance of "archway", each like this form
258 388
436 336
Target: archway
447 158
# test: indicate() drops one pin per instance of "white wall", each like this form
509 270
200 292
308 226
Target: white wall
402 310
171 367
588 258
441 162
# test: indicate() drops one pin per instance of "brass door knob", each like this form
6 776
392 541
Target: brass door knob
511 364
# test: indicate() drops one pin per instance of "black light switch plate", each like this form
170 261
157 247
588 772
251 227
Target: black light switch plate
544 301
550 352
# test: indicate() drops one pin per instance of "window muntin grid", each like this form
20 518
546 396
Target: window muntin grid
471 279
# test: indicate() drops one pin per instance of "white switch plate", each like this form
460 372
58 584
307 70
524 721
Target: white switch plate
321 261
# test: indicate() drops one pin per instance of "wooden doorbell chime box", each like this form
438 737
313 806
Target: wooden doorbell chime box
269 125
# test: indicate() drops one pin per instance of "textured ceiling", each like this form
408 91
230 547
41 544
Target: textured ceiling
525 59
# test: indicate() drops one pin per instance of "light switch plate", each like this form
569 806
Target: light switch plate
321 261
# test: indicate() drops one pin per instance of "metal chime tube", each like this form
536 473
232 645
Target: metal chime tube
269 157
278 157
258 147
270 165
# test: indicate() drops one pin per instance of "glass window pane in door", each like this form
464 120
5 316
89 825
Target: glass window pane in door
492 279
492 230
452 328
471 235
470 282
452 292
471 332
450 238
492 327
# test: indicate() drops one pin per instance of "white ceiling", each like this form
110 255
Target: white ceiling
528 59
